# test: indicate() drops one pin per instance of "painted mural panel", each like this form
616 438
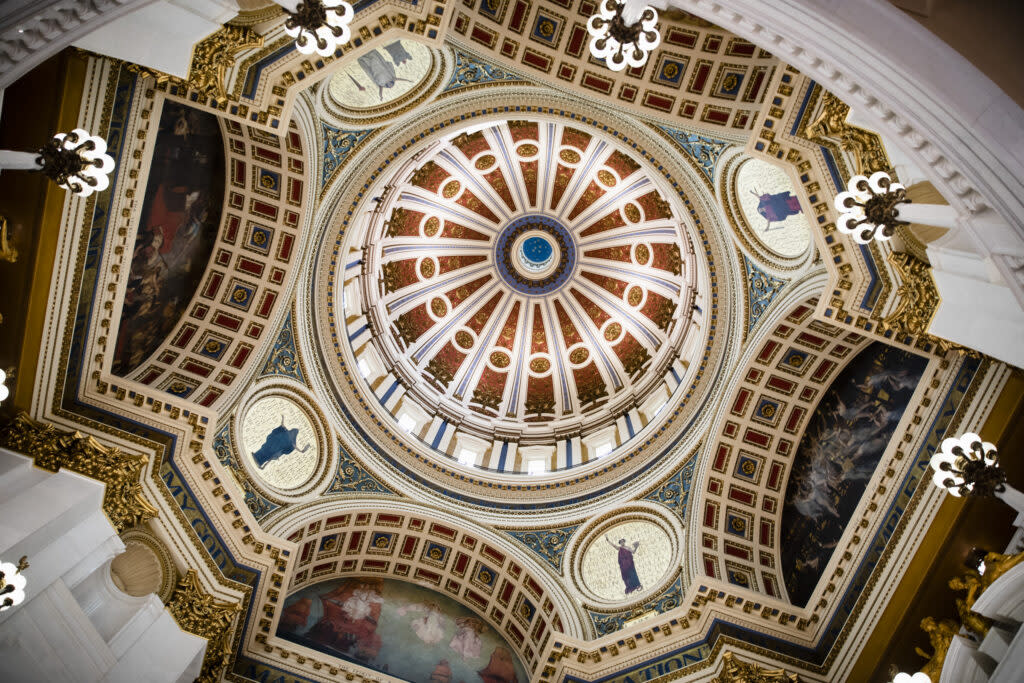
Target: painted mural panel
839 452
399 629
177 228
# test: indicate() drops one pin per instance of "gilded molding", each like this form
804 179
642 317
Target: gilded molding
198 612
54 449
865 146
918 299
940 636
212 57
738 671
7 252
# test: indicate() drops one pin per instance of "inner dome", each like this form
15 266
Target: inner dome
526 283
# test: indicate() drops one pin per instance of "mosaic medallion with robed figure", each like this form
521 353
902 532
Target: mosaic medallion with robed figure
525 276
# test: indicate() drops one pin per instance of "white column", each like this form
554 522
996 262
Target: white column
161 34
19 160
978 308
1013 497
91 631
290 5
632 10
939 215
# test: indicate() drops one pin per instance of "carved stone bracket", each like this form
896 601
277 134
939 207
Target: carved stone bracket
738 671
198 612
53 449
211 59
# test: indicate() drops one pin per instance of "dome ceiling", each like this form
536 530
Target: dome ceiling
529 276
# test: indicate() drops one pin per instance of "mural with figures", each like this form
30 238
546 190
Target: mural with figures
177 228
839 452
772 211
399 629
382 75
627 560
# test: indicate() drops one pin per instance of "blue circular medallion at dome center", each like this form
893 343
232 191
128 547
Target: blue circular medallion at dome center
536 250
543 261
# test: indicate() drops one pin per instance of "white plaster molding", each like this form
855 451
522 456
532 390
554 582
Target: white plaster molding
33 31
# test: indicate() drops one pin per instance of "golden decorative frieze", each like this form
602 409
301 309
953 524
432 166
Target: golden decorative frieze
211 59
198 612
831 124
54 449
917 294
738 671
972 621
917 300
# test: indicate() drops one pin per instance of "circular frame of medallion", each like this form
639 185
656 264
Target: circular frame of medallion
168 571
333 110
662 527
281 437
749 241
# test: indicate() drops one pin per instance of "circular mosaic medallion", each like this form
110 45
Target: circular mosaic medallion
627 560
279 442
771 209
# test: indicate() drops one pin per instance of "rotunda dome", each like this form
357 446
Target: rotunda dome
524 282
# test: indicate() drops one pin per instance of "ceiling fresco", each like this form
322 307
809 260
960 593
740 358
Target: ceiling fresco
503 383
178 226
399 629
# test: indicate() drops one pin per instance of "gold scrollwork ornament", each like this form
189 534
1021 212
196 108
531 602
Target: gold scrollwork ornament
53 449
737 671
212 57
198 612
866 147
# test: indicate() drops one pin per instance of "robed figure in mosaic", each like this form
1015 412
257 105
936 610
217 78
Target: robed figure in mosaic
626 565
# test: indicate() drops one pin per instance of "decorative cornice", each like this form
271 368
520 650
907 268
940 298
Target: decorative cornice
27 43
212 57
53 449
